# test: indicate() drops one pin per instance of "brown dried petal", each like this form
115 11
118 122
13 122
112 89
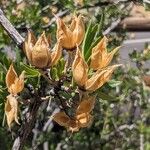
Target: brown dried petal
11 76
86 105
29 44
84 120
61 118
109 57
56 54
100 77
65 34
79 69
73 126
11 110
40 53
73 24
18 85
28 49
98 54
79 31
31 38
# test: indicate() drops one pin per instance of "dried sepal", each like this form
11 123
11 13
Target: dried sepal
18 84
100 58
79 30
86 105
14 83
71 35
79 69
82 118
31 38
61 118
73 125
11 110
72 25
99 78
11 76
83 111
97 54
40 52
56 54
65 34
28 45
110 55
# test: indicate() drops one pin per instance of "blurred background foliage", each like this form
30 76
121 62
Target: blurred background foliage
121 114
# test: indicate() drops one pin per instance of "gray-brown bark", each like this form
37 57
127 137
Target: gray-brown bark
9 28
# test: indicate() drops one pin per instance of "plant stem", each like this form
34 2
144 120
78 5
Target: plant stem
45 77
9 28
27 126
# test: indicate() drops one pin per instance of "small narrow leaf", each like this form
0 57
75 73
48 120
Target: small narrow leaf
54 73
30 71
101 24
89 37
89 28
114 83
105 96
88 54
89 41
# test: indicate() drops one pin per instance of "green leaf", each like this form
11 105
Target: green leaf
54 73
146 4
2 68
90 49
66 95
2 78
18 55
34 81
105 96
30 71
89 38
60 67
101 24
6 61
114 83
92 37
84 45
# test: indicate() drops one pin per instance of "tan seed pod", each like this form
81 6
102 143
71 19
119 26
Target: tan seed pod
100 58
38 51
14 83
100 78
71 35
79 69
11 110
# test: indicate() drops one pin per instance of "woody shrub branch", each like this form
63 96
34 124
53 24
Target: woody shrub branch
28 125
10 29
30 119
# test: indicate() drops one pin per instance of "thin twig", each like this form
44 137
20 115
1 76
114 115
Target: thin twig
9 28
112 26
27 127
46 78
63 13
141 142
30 120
